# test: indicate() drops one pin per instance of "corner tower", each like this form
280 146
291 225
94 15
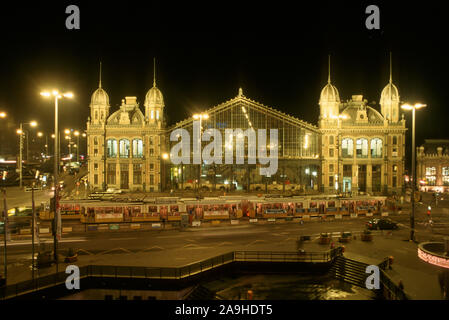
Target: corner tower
99 105
389 100
329 99
154 104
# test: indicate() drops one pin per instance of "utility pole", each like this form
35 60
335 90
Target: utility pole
5 234
33 228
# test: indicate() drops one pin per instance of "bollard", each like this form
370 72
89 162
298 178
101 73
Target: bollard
250 295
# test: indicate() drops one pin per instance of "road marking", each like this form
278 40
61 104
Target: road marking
154 248
255 241
118 249
26 242
123 239
224 244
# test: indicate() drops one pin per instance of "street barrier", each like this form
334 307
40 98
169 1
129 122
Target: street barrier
353 215
25 231
338 216
174 273
234 221
44 230
384 214
66 229
252 220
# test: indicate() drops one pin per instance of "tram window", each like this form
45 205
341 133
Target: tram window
152 209
108 210
136 210
299 205
117 209
174 208
313 205
331 204
99 210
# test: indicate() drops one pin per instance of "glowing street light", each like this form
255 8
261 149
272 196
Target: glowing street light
200 116
2 114
20 132
414 107
57 218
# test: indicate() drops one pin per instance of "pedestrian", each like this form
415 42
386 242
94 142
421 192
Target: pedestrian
401 285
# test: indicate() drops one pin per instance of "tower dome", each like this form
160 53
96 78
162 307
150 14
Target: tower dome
329 93
100 97
389 93
154 97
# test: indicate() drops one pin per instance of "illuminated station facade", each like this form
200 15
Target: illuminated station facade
354 148
362 149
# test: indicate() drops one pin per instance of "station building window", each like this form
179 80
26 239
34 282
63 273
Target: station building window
137 148
445 176
347 148
431 176
376 148
362 148
112 148
124 148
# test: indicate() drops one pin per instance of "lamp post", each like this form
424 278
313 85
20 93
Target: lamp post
20 132
77 135
165 158
200 116
56 218
339 179
412 215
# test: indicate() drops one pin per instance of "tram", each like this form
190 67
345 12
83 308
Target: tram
217 208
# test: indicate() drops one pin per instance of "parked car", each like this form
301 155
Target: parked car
381 224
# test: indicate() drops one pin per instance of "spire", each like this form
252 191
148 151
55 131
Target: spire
329 73
99 85
390 69
154 72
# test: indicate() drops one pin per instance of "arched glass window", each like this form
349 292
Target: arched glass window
347 148
395 140
152 114
157 114
112 148
362 148
137 148
376 148
124 148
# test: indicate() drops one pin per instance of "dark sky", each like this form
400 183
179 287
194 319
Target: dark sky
275 51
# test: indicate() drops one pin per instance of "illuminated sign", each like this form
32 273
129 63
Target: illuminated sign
432 259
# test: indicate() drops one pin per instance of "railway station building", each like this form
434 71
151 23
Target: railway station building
354 148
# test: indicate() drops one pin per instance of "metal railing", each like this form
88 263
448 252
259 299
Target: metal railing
174 273
390 290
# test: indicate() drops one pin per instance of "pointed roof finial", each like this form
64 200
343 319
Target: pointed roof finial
390 70
329 72
154 72
240 92
99 84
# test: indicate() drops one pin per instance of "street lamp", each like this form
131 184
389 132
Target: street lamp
412 216
56 218
200 116
2 114
20 132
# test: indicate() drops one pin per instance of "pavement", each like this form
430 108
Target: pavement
173 248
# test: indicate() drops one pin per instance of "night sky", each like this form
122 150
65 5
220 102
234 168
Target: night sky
275 51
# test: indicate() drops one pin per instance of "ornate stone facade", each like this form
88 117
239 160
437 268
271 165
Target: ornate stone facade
362 149
433 165
125 147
